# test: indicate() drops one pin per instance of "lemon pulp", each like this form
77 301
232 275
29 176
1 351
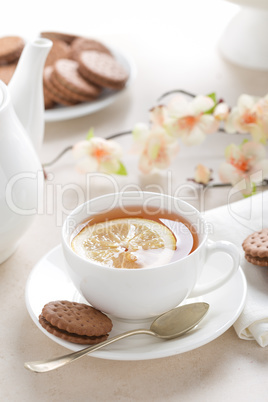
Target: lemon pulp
126 243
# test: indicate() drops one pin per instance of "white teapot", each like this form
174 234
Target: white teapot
26 89
21 174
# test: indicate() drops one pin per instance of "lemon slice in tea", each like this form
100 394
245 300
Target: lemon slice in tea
126 243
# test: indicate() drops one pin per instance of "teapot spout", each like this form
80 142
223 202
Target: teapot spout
26 89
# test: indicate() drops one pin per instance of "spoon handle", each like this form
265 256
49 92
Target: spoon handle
41 366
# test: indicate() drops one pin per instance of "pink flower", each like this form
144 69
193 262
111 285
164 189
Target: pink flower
189 120
98 154
242 163
158 151
159 116
221 111
202 174
249 116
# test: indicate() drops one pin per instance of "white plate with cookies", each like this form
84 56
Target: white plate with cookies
82 76
106 98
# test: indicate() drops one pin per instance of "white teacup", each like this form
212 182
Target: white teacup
145 292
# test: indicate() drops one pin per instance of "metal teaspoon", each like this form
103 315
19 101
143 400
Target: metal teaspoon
169 325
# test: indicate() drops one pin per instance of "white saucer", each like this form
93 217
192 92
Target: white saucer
107 97
48 281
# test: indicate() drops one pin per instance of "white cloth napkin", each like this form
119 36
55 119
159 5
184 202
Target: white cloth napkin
234 222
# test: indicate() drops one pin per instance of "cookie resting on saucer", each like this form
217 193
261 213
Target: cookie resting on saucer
75 322
256 248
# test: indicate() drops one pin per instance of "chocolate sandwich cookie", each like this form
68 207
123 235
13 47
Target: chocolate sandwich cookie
102 69
71 337
75 322
80 44
256 248
10 49
59 50
66 77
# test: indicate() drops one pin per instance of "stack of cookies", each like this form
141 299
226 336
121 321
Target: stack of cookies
10 51
77 69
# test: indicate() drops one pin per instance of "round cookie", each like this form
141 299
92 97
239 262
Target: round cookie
102 69
10 48
59 50
66 74
80 44
6 72
256 248
77 318
67 92
52 92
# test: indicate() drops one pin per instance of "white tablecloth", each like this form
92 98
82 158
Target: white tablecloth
234 222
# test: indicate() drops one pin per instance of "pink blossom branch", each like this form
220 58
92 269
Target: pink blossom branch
120 134
116 135
187 93
70 147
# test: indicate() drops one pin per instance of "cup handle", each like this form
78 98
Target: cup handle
211 248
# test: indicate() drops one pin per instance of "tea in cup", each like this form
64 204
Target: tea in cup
138 254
